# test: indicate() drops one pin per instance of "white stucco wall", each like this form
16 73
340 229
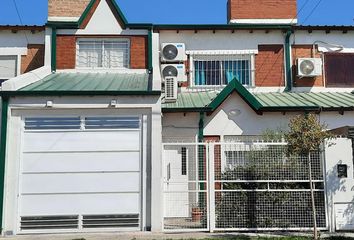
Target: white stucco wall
222 40
340 191
248 122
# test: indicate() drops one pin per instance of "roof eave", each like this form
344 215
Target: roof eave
77 93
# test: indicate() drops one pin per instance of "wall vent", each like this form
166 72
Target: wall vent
111 221
49 222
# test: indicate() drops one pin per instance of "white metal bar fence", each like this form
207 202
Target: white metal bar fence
239 186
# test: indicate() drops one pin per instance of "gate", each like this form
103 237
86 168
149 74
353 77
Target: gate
239 186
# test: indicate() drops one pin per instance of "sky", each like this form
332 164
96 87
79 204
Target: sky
310 12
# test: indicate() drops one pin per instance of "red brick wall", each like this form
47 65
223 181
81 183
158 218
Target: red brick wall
34 58
304 51
262 9
66 8
66 51
138 52
269 66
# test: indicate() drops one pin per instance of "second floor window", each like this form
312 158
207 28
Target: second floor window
222 69
8 67
112 53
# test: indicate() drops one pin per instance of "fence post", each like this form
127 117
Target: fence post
211 186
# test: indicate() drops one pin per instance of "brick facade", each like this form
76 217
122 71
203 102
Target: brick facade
269 63
305 51
138 52
66 8
261 9
34 58
66 51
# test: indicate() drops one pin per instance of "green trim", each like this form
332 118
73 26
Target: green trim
201 127
4 113
54 50
150 65
77 24
289 81
236 86
221 26
205 109
86 12
78 93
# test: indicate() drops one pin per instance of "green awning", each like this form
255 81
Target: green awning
208 101
88 84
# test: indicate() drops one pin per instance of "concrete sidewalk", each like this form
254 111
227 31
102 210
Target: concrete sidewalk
157 236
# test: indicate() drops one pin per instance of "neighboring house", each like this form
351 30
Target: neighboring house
161 127
21 50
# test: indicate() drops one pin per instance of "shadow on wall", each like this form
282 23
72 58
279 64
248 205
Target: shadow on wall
335 186
34 58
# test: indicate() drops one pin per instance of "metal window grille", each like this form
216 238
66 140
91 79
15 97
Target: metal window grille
103 53
221 69
240 186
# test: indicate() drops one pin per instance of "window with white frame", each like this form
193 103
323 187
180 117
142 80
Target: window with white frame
103 53
8 67
214 69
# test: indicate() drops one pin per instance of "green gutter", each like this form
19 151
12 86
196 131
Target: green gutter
150 45
288 61
77 93
54 50
4 111
220 26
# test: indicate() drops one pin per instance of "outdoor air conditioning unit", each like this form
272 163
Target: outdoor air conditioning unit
174 70
173 52
309 67
171 89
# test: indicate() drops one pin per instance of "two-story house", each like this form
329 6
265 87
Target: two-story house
146 127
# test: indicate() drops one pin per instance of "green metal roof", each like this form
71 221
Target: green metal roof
81 84
207 101
192 101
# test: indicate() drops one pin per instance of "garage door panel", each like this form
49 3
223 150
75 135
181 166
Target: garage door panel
82 141
69 204
80 182
77 162
86 168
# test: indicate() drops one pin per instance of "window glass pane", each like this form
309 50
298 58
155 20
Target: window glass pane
221 72
104 54
90 54
8 67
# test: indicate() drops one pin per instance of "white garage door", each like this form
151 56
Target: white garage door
80 173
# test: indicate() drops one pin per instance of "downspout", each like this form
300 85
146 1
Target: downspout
54 49
4 113
201 153
288 61
201 127
150 64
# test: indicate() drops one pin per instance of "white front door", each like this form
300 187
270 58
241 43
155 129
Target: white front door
80 173
176 182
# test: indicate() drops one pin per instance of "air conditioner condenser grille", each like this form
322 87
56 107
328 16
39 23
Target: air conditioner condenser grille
49 222
111 221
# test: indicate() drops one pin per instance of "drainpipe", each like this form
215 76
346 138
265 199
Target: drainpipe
288 61
150 46
201 127
4 112
54 49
